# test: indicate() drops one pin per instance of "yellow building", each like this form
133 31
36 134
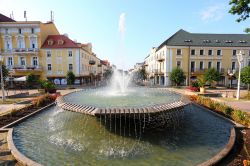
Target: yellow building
20 43
195 53
61 55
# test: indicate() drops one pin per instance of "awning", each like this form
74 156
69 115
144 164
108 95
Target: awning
20 79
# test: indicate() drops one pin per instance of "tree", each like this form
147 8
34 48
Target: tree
142 73
245 76
240 8
177 76
70 78
5 72
212 75
107 74
31 80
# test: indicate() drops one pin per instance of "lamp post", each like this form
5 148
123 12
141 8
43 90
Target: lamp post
2 83
240 59
231 74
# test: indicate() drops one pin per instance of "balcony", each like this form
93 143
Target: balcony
21 68
25 50
202 71
158 72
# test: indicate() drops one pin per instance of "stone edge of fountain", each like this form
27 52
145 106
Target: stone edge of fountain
11 145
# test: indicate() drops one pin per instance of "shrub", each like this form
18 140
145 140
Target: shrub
44 100
48 86
228 111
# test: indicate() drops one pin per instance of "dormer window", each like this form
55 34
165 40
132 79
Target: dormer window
187 41
60 42
217 41
228 41
50 42
242 41
206 41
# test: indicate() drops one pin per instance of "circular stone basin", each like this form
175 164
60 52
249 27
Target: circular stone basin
133 98
58 137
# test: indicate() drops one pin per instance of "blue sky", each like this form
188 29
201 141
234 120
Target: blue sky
147 23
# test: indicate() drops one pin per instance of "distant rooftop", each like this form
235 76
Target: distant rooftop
184 38
4 18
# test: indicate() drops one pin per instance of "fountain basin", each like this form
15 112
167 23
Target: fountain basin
137 101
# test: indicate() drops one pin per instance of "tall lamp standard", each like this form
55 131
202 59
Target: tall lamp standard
2 83
240 59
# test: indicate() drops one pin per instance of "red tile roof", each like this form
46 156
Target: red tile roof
67 43
4 18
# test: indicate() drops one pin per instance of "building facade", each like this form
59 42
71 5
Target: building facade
195 53
33 47
20 44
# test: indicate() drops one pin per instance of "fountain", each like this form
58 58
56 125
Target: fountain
122 125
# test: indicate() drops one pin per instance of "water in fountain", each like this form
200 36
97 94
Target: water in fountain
119 83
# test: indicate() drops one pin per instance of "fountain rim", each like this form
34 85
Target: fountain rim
95 111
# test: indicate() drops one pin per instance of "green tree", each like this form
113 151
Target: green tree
245 76
70 78
31 79
212 75
5 72
177 76
107 74
142 73
240 8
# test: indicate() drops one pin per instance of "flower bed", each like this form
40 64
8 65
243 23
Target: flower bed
231 113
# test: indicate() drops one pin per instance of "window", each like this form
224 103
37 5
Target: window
6 31
178 52
48 54
193 52
218 66
70 67
234 52
70 53
22 61
50 42
178 64
219 52
209 65
192 66
10 61
35 61
32 30
8 45
20 31
210 52
201 65
249 63
233 65
201 52
49 67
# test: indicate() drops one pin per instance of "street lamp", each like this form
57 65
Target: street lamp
240 60
2 83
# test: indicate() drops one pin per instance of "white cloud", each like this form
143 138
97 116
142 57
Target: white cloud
213 13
